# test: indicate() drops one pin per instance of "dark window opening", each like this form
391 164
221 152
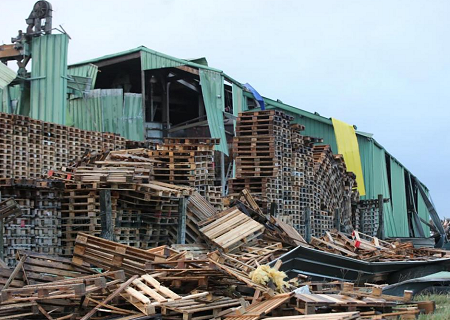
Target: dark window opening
124 75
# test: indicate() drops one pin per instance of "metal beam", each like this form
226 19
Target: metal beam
120 59
106 215
143 100
380 231
181 236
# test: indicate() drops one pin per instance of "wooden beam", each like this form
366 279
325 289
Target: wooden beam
122 287
15 272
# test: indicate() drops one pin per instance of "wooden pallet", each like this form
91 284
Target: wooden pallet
196 309
112 255
146 293
230 229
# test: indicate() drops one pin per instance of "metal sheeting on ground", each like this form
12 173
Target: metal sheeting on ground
49 78
212 90
348 146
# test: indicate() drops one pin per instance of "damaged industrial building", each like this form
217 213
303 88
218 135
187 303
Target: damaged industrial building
138 185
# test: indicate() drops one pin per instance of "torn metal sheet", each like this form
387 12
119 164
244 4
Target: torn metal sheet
320 265
436 280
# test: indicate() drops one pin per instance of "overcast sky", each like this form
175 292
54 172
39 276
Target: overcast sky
381 65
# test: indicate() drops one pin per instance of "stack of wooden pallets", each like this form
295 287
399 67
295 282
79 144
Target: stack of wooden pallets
263 152
31 147
38 227
185 161
333 190
6 144
285 170
367 217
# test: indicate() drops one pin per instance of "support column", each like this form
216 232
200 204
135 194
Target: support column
106 215
143 102
337 220
308 224
181 236
380 232
222 173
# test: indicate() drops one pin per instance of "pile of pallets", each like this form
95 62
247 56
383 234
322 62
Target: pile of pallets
263 153
367 217
288 174
333 190
185 161
31 147
144 212
38 226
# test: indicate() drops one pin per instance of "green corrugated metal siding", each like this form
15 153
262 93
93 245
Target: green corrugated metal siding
86 113
6 75
150 60
238 99
88 70
373 161
212 90
422 211
3 104
399 223
132 121
108 111
112 104
49 78
319 130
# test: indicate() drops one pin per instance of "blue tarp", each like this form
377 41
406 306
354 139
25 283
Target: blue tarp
256 95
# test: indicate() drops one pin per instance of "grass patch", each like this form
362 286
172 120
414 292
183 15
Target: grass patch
442 306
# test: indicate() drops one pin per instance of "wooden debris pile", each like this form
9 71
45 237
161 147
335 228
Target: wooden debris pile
108 280
364 247
289 175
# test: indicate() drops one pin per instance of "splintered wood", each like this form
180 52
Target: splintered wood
108 280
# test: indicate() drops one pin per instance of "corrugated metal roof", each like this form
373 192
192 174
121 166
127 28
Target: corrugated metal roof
48 97
6 75
151 53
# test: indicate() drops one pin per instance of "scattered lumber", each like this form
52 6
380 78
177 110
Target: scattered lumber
368 248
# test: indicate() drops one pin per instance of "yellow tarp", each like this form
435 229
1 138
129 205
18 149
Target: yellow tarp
348 146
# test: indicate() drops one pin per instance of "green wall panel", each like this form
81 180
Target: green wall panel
399 219
49 78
